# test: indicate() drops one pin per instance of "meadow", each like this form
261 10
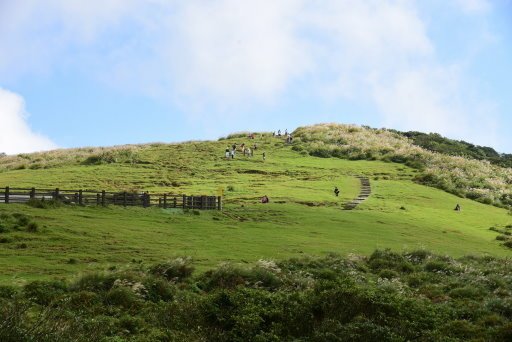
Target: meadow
303 216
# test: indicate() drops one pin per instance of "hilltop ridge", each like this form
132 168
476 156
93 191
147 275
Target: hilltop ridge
478 179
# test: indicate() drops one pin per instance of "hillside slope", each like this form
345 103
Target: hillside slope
303 216
476 179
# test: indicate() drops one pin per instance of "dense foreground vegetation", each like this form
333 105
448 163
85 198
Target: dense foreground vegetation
385 297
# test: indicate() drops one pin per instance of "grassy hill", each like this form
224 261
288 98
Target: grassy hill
302 218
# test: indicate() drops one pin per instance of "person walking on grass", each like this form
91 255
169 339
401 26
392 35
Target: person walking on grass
264 156
336 191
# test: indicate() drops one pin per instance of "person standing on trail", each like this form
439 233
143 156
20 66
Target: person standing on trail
336 191
227 153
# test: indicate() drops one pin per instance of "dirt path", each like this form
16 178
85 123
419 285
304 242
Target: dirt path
365 192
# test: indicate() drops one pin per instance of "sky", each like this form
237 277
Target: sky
99 73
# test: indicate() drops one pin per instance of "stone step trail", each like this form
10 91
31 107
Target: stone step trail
364 193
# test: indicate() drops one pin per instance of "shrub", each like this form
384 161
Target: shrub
508 243
389 260
437 266
44 204
466 292
122 297
32 227
322 153
8 291
44 292
21 219
178 269
83 299
95 282
159 290
502 238
388 274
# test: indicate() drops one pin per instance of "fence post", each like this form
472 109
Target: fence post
184 201
146 201
32 193
219 203
124 198
80 197
203 202
165 201
103 195
56 195
175 202
98 199
6 197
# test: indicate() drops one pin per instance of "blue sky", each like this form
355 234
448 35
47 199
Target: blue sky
96 73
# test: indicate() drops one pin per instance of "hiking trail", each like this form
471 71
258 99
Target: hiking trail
365 192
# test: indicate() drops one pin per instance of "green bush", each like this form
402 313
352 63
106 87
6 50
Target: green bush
21 219
32 227
122 297
8 291
388 274
437 266
159 290
178 269
44 292
95 282
44 204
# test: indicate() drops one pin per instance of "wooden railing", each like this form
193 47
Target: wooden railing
104 198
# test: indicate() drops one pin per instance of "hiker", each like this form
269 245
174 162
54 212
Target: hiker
264 199
457 207
255 147
249 152
336 191
273 134
232 154
227 154
286 131
278 132
264 156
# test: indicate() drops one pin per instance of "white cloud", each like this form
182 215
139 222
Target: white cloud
211 57
474 6
16 135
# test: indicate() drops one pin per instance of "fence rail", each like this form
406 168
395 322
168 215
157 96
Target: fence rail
104 198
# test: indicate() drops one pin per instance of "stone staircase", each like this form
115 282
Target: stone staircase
365 192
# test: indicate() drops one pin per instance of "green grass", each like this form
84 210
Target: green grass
304 217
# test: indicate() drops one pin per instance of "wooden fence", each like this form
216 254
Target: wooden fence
103 198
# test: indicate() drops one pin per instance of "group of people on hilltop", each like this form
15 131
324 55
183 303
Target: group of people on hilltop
289 138
230 152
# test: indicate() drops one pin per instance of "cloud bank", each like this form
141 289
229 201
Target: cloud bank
16 135
215 57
